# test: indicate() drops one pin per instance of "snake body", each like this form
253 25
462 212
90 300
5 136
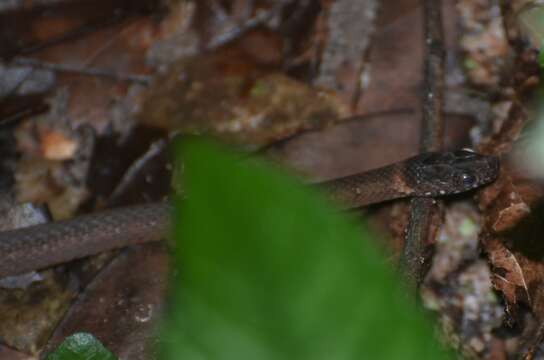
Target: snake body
39 246
431 174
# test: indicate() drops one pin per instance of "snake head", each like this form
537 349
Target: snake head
452 172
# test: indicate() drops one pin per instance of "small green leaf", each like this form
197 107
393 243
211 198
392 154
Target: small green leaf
81 346
267 270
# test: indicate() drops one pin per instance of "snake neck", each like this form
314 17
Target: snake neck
374 186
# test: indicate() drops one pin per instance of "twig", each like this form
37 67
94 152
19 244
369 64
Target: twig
128 177
534 345
142 79
259 19
432 127
425 211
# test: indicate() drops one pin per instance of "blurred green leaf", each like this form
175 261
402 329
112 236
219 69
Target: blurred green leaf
528 151
81 346
268 271
531 22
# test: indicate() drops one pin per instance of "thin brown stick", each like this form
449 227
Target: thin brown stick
82 70
432 127
235 33
425 212
534 345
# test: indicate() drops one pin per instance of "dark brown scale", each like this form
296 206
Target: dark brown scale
369 187
40 246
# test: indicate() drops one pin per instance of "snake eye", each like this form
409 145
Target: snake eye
464 154
468 180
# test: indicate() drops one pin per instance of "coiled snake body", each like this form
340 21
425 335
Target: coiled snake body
430 174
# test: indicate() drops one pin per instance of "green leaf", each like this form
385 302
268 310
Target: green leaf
530 19
81 346
267 270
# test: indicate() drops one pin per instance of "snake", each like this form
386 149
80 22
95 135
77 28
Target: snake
431 174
